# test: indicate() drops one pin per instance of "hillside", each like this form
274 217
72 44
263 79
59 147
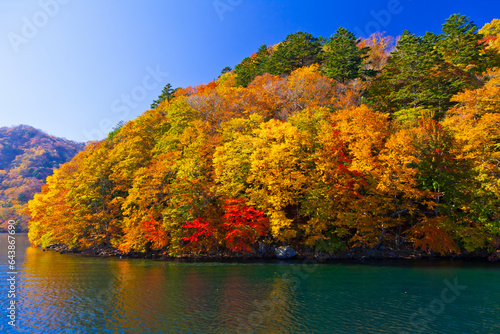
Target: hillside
27 157
321 144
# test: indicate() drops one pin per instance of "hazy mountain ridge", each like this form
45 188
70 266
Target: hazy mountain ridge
27 156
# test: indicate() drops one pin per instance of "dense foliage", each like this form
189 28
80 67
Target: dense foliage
396 145
27 157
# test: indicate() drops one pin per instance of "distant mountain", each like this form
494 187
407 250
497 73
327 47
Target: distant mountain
27 157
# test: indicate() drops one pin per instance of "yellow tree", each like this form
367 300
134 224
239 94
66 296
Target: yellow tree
332 186
147 198
232 158
491 36
192 189
95 215
277 177
51 212
474 123
382 159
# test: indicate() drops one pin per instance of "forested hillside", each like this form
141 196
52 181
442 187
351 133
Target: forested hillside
27 157
329 143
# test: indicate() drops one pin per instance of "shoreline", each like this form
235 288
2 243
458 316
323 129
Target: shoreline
355 255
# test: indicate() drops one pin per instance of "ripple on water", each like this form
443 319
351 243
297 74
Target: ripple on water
71 294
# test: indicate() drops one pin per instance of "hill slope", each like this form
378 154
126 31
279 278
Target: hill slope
27 157
320 145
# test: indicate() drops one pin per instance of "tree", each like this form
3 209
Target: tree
251 67
166 94
491 39
201 234
297 50
415 76
331 186
148 197
379 49
473 123
115 130
232 157
342 58
155 233
242 225
459 44
277 177
226 70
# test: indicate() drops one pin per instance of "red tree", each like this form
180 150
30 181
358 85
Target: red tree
242 225
155 233
202 229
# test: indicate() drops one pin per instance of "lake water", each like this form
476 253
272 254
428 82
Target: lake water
73 294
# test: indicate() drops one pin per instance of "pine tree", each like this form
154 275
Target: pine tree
415 76
253 66
166 94
225 70
342 59
297 50
460 44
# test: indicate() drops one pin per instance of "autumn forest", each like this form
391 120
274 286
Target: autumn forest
27 157
318 143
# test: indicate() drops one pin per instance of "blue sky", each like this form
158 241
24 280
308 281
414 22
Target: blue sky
75 68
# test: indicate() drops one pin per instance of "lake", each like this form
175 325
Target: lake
69 293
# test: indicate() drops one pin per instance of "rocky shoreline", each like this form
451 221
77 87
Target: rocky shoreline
356 254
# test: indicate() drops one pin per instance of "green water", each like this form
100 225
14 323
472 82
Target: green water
72 294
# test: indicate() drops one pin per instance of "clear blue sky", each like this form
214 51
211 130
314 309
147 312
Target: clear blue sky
75 68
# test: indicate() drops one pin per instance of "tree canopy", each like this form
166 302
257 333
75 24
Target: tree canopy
301 145
27 157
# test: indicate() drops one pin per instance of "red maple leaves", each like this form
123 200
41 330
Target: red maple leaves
200 229
155 233
242 226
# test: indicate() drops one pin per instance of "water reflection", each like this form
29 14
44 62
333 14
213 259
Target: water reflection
74 294
70 293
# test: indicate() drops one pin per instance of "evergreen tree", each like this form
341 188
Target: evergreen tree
342 59
225 70
250 67
166 94
460 44
117 128
297 50
415 76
